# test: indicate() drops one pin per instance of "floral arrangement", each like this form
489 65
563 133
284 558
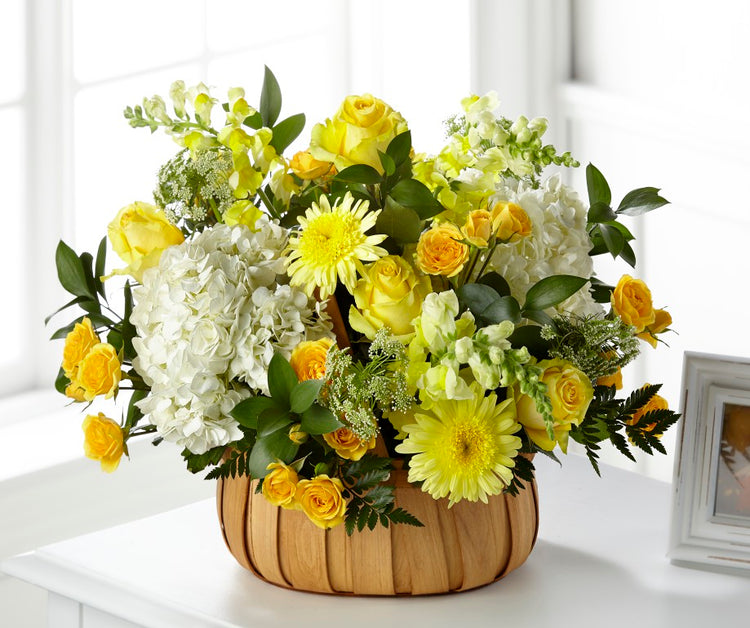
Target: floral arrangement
316 321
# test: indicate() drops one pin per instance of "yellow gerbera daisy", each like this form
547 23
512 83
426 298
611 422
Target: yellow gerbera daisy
464 449
332 244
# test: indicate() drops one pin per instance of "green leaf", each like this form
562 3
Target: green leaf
414 194
389 166
61 381
247 411
319 420
600 291
70 271
530 336
613 239
281 380
286 131
600 212
401 223
304 395
101 261
550 291
271 448
640 201
70 303
540 316
496 282
598 187
628 254
400 147
502 309
270 99
476 297
360 173
272 420
134 413
254 121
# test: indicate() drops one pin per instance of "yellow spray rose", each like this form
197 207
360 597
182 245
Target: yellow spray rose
662 321
440 250
103 441
656 402
321 500
99 373
77 344
280 485
309 358
347 444
306 167
570 392
615 379
478 228
510 222
390 294
631 301
362 126
139 234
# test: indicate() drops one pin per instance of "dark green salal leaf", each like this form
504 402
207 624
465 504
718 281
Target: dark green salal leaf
272 420
400 223
281 380
530 336
319 420
613 239
247 411
598 187
101 262
70 271
415 195
270 99
389 166
286 131
400 148
61 381
550 291
272 448
360 173
599 212
304 394
640 201
497 282
600 291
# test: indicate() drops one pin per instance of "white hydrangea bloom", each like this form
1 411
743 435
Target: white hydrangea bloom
209 319
558 245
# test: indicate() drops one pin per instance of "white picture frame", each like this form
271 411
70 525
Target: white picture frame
711 489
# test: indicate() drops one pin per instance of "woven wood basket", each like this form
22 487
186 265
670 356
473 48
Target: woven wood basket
461 548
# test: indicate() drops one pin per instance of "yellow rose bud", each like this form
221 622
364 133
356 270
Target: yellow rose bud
242 213
656 402
321 500
362 126
309 358
347 444
99 373
103 441
390 294
296 435
440 250
306 167
662 321
139 234
510 222
77 344
615 379
570 392
479 227
280 485
631 301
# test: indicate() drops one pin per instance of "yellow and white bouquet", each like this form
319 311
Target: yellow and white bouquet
313 321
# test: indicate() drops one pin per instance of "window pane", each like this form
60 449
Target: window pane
12 51
111 39
13 253
115 164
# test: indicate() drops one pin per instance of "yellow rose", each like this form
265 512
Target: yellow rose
440 250
347 444
75 392
103 441
362 126
390 294
296 435
321 500
77 344
570 392
510 222
280 485
656 402
242 213
306 167
662 321
309 358
99 372
479 227
615 379
139 234
631 301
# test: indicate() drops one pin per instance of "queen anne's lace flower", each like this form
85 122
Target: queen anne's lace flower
209 320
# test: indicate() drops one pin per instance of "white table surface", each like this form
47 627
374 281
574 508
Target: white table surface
600 560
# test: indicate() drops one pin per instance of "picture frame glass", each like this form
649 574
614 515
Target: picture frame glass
732 501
